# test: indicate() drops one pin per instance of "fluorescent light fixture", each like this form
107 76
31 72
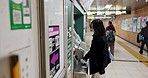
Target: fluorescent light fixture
118 13
90 13
108 6
113 12
110 12
123 12
100 13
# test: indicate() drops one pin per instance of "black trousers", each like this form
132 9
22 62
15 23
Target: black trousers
142 45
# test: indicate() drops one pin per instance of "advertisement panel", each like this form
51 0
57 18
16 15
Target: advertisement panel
138 25
143 21
134 24
54 49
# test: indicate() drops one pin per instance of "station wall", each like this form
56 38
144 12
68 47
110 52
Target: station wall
117 22
130 36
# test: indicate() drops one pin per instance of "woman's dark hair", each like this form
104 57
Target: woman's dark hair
98 27
110 22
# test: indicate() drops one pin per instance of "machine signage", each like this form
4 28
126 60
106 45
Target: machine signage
20 14
54 50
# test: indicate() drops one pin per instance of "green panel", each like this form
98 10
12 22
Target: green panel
77 12
69 49
69 13
79 23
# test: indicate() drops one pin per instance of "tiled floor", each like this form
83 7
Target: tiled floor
128 68
122 69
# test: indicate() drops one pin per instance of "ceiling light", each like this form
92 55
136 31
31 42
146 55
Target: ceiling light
108 13
108 6
118 13
90 13
146 0
100 13
123 12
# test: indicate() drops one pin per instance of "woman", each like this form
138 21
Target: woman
98 55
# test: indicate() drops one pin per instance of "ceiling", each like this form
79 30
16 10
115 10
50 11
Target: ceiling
97 7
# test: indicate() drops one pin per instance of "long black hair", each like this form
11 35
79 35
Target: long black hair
98 27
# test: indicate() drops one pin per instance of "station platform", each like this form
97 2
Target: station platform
127 63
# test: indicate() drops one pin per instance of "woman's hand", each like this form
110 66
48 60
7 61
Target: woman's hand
82 61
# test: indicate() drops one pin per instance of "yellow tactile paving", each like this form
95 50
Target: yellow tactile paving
134 53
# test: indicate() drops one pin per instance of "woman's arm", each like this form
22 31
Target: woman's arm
87 56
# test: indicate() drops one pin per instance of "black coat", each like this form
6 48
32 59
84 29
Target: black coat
97 55
138 41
